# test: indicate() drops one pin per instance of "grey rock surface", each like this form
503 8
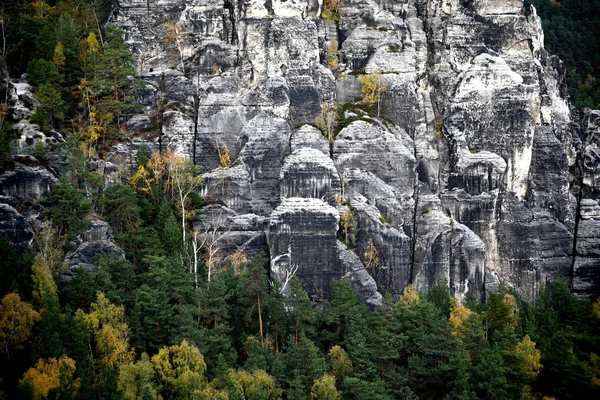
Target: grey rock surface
362 283
14 227
309 173
96 241
475 171
27 183
303 242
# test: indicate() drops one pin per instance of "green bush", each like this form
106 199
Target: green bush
40 151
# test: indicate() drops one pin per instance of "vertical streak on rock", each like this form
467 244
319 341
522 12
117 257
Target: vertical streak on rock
414 221
196 116
578 184
578 178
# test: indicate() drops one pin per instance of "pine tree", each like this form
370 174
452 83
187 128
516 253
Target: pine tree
166 306
303 313
255 285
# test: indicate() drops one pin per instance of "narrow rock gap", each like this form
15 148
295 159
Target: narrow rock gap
196 116
229 6
416 181
414 222
579 182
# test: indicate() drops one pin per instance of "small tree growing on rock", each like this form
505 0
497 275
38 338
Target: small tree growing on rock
331 10
372 89
372 260
327 121
332 55
349 229
174 37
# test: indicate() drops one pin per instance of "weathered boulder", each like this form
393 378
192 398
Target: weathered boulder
363 284
393 248
370 146
447 251
303 242
27 183
14 227
307 136
309 173
96 241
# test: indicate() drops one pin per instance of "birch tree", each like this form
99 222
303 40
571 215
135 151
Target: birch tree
211 240
184 179
16 322
372 89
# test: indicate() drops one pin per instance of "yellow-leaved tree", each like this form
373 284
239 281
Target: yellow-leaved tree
255 385
341 364
175 33
348 225
44 287
49 245
47 265
332 55
136 380
372 88
330 10
58 58
459 314
224 156
324 389
169 171
142 180
371 256
180 369
593 368
17 318
409 297
530 357
327 121
51 374
596 308
108 332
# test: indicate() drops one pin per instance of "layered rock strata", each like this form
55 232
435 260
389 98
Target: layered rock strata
471 170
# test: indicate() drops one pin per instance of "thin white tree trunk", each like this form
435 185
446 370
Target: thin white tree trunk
181 56
378 94
195 249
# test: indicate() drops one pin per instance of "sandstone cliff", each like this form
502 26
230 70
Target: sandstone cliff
476 172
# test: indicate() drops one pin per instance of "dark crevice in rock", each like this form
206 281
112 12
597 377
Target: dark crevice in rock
577 219
229 6
414 221
196 116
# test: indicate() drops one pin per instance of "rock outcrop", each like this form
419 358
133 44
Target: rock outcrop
14 227
471 169
95 242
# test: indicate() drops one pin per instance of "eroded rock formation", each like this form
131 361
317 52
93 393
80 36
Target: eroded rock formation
476 172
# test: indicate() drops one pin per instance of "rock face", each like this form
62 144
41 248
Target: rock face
302 240
20 188
472 170
586 257
14 227
309 173
95 242
27 183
